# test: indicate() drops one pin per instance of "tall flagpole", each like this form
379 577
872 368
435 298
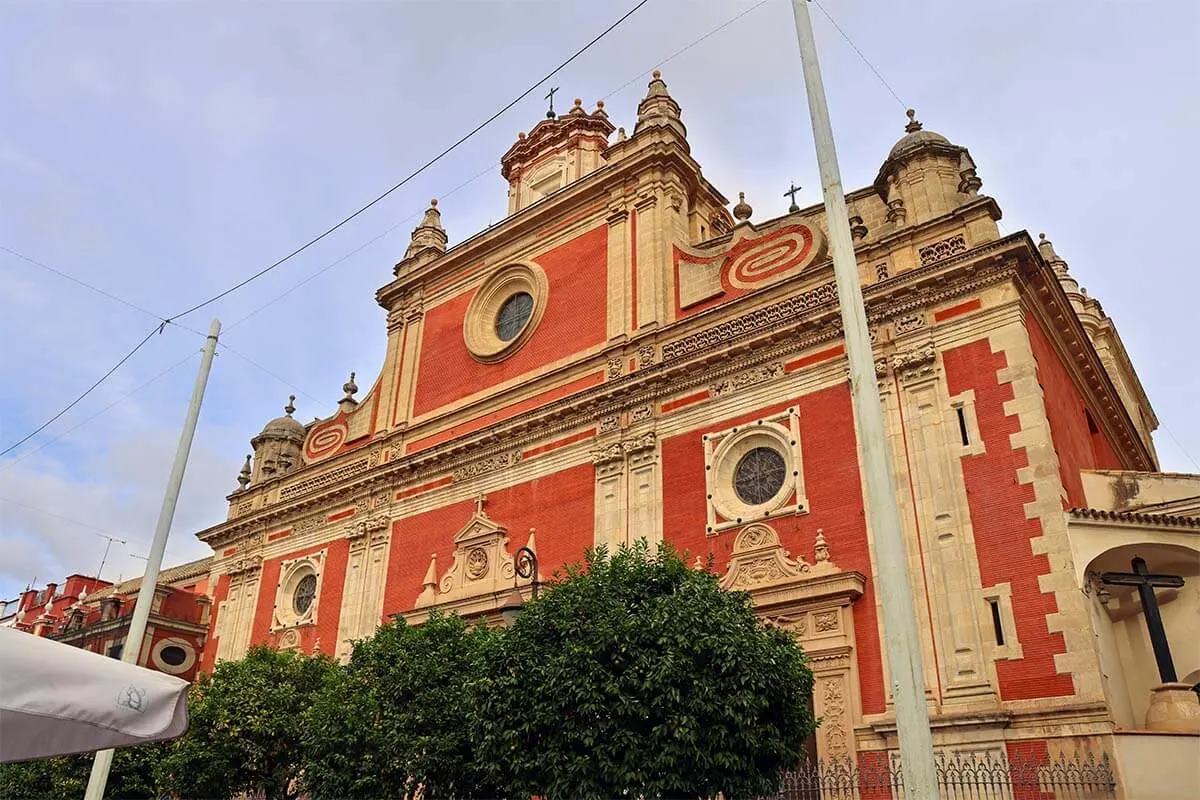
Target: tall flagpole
901 638
141 609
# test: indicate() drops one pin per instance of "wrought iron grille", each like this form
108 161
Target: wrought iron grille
878 776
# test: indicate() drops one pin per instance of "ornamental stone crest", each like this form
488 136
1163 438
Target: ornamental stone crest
482 565
759 560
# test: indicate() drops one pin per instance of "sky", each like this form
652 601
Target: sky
162 152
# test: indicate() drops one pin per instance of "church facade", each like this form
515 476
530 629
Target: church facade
624 357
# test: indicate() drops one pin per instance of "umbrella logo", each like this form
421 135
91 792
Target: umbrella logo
133 698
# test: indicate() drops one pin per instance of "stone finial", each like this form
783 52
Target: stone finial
577 109
621 135
429 235
969 182
858 229
291 406
350 388
742 210
820 549
600 112
658 108
913 125
428 594
243 477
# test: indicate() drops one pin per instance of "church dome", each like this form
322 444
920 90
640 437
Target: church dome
286 426
915 137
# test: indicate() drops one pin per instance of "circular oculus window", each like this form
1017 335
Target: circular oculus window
505 312
752 473
759 475
304 594
173 656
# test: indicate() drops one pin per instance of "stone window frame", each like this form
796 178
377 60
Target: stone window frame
173 669
1000 594
724 449
479 323
291 572
964 403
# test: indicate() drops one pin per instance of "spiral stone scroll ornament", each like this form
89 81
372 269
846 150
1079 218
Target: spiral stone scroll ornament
788 250
325 439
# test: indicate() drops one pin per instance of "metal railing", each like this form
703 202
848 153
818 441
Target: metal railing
878 776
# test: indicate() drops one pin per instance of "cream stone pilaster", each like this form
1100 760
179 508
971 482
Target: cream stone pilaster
610 496
366 572
235 614
890 398
1072 620
945 528
392 365
414 326
651 266
628 491
619 270
645 489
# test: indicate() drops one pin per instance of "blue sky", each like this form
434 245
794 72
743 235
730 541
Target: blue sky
164 151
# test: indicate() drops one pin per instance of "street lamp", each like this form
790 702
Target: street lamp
525 565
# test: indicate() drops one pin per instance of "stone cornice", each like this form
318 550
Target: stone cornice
596 185
1048 301
754 345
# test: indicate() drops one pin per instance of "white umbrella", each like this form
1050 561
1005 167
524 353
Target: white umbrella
57 699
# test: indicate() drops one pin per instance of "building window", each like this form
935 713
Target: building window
759 475
114 651
505 312
513 316
965 424
298 595
173 656
999 617
306 590
753 472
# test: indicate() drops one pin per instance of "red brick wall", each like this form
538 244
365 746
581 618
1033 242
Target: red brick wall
333 580
833 489
1002 532
560 506
575 319
1077 447
220 594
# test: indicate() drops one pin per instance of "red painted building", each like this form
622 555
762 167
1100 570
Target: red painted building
624 358
95 615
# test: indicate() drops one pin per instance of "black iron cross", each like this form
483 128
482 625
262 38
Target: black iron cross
550 97
791 192
1145 583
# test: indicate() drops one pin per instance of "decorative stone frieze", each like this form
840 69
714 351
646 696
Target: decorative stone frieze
486 465
939 251
746 378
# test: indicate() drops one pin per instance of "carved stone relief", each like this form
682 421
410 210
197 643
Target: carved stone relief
933 253
746 378
759 559
487 465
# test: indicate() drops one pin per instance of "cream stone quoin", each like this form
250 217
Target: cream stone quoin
626 357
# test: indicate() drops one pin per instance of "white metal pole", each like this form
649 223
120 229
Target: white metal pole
141 609
901 637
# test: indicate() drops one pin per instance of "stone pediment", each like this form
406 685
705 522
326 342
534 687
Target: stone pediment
759 560
482 565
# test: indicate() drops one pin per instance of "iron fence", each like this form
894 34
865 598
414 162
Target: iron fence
878 776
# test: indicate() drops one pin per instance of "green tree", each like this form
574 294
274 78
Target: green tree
246 728
132 777
637 676
398 716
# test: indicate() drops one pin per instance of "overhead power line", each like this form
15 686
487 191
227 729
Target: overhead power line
417 171
86 392
319 237
866 60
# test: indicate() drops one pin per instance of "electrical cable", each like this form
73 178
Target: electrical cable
86 392
417 171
